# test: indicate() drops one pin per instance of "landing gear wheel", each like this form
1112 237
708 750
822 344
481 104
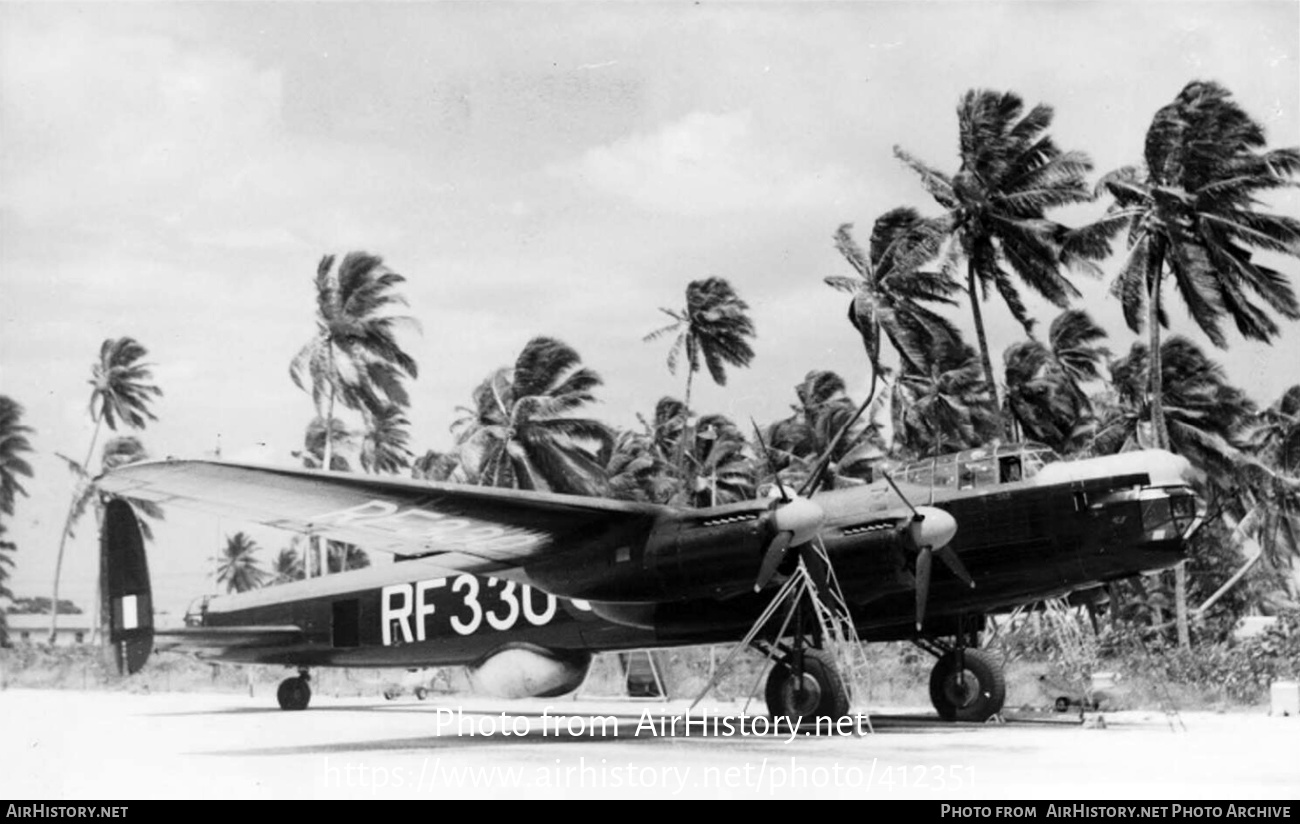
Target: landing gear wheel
818 691
389 695
975 692
293 694
421 693
1063 704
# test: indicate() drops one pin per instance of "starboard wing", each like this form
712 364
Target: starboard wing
459 527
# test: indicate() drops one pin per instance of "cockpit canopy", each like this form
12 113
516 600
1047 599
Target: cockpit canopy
980 468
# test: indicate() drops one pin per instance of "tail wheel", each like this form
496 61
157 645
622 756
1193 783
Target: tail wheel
818 691
973 692
293 694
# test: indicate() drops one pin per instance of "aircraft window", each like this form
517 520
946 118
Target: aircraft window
1030 465
976 473
1010 469
920 476
945 474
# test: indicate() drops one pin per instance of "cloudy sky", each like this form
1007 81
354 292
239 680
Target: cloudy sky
174 173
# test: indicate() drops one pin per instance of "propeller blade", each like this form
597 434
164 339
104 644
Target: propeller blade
923 563
814 480
772 559
950 559
771 465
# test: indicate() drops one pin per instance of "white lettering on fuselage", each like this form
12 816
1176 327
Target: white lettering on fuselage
430 528
474 602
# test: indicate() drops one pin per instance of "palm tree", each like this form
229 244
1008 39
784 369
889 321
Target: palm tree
384 444
6 564
521 433
237 567
795 444
121 393
665 432
119 451
287 566
723 466
1271 500
438 466
945 406
713 327
891 292
13 443
341 557
1275 434
355 357
1045 394
1011 174
1191 212
1205 419
315 443
1204 413
638 470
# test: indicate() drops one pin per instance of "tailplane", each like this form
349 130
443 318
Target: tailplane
126 591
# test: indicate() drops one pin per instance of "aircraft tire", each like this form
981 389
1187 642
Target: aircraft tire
293 694
978 700
421 693
826 692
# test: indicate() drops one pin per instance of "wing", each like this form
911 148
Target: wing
455 527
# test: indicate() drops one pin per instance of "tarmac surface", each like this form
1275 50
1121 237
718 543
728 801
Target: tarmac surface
66 745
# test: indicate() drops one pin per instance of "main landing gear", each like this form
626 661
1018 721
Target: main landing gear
966 684
809 688
294 693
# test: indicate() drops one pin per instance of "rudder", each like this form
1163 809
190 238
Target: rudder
126 593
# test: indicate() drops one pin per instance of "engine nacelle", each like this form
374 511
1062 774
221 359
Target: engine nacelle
527 671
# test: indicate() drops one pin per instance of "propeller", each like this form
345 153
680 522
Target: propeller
796 521
930 533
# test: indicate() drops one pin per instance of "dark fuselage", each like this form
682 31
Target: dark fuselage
688 579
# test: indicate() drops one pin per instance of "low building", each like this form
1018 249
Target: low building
31 630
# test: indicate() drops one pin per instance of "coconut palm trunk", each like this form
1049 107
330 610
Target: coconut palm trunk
63 539
1161 431
1160 428
973 287
1155 365
319 545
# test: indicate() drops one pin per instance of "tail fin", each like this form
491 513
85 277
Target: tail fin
126 592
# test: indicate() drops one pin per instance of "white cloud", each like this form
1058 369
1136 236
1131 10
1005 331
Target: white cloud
706 164
116 119
157 142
